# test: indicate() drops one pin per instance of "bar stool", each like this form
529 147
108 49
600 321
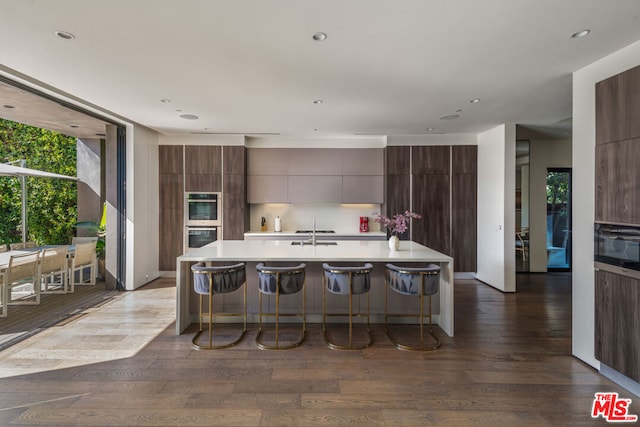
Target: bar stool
414 282
281 281
346 281
218 280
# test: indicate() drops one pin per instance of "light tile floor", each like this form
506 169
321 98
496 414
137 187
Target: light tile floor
112 331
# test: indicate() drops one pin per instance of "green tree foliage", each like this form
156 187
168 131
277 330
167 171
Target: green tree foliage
51 203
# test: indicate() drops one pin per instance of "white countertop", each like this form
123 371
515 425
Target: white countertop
283 250
292 233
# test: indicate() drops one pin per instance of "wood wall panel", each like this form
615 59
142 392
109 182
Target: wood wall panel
464 222
431 200
464 159
203 182
171 191
430 159
235 159
203 160
617 192
617 322
398 159
399 196
171 238
170 159
608 110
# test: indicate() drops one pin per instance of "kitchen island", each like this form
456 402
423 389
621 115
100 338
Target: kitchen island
342 253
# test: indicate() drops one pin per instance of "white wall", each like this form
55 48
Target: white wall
496 207
142 207
543 154
584 137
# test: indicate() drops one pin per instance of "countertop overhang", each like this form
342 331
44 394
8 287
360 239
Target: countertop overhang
283 250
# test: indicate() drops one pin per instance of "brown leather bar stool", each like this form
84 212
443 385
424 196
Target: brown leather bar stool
278 281
210 281
346 281
414 282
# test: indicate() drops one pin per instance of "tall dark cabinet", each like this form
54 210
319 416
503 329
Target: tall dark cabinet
617 201
171 205
398 185
235 213
203 168
439 182
431 171
464 207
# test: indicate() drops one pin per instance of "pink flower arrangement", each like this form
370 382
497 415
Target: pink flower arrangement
398 223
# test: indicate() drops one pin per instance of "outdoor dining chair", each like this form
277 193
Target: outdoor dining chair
83 258
53 270
21 274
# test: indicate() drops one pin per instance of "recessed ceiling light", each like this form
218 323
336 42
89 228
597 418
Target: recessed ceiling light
189 116
165 100
429 129
449 116
9 106
319 37
475 101
316 130
65 35
318 101
580 33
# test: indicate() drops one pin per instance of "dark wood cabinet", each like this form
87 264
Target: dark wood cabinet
440 183
430 160
618 107
398 159
170 159
431 199
398 182
171 238
617 191
171 187
203 168
431 196
464 202
235 215
617 322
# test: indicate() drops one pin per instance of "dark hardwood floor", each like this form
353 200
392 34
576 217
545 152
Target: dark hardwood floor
509 364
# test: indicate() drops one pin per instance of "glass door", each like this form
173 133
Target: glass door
559 219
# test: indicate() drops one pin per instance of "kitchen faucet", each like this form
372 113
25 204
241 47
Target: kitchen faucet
313 235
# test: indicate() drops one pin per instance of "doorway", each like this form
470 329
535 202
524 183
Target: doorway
558 219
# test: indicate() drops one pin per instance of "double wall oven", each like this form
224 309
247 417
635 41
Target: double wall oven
202 219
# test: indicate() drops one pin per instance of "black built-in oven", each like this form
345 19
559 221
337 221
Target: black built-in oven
199 236
617 245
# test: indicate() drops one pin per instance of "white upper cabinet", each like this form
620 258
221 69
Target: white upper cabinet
315 189
362 161
315 175
315 161
267 161
363 189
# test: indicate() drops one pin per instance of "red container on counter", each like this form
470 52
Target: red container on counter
364 224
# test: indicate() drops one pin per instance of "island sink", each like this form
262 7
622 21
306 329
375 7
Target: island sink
318 243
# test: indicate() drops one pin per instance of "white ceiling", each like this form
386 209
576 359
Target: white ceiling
386 67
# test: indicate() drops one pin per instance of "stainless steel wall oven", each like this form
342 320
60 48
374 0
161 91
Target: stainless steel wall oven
203 209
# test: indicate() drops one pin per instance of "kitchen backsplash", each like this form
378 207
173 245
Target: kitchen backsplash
341 218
